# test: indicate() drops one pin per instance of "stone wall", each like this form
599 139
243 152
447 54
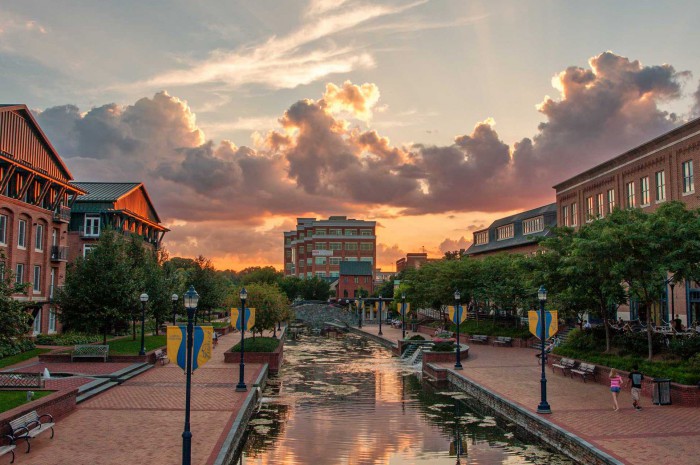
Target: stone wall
316 315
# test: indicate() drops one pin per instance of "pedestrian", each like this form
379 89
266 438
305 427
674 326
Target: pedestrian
215 338
636 378
615 385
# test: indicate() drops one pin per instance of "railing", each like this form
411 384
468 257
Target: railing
62 214
20 380
59 253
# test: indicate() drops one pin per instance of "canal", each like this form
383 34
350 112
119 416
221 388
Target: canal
348 401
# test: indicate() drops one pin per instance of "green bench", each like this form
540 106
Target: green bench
90 351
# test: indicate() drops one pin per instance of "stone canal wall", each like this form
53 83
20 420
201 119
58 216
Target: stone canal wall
316 315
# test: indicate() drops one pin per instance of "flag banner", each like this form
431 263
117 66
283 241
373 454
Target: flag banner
249 318
551 324
459 316
460 447
177 345
404 309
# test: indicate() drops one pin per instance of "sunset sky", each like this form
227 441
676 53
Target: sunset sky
431 117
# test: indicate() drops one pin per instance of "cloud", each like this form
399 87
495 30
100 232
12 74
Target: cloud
695 111
388 254
354 100
452 245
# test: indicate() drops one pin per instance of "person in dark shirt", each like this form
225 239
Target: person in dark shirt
636 378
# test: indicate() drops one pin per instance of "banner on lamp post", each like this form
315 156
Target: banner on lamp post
457 317
201 348
551 323
249 321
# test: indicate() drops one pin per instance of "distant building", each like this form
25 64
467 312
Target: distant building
516 233
355 276
318 247
125 207
35 198
412 260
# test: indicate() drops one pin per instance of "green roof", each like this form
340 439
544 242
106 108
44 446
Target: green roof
355 268
105 191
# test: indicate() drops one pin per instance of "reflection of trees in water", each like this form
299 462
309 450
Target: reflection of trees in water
265 428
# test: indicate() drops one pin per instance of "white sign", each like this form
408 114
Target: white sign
321 253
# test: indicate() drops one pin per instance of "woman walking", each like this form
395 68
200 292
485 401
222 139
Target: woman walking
615 385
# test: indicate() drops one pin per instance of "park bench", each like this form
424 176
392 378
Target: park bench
90 350
503 340
482 338
564 365
161 357
8 448
29 426
584 370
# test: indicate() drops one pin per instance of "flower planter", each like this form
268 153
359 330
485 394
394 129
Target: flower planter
273 359
442 357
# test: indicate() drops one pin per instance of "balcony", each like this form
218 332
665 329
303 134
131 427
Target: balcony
59 253
62 214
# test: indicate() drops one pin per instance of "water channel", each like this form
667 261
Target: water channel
348 401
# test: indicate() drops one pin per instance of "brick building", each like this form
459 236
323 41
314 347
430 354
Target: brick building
317 247
355 276
517 233
412 260
35 200
657 171
123 206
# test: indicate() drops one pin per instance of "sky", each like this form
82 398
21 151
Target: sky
433 118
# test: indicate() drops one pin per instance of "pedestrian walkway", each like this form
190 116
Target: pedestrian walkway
656 434
141 421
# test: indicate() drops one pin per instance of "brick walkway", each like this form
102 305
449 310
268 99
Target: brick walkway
656 434
141 421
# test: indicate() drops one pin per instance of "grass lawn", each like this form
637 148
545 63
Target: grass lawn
126 346
12 359
12 399
259 344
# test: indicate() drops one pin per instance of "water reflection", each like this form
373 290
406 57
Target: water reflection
347 401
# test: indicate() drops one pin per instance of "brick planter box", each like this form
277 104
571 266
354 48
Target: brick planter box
64 357
439 357
59 404
681 394
464 337
273 359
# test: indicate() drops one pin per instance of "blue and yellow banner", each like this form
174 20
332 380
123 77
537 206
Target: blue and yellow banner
551 323
177 345
404 309
249 318
459 316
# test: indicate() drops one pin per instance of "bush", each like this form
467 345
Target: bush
67 339
637 344
685 347
584 341
15 347
258 344
443 347
416 337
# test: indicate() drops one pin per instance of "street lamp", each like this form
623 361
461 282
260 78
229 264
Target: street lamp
241 387
191 298
361 307
144 299
458 362
403 315
673 303
174 299
544 406
380 315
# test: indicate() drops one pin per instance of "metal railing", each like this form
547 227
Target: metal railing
62 214
59 253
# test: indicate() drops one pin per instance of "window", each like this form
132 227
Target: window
320 274
321 245
19 273
351 246
309 247
365 232
366 246
22 234
611 200
600 205
301 250
660 186
92 225
336 245
3 229
367 259
52 282
37 323
37 279
309 274
54 237
356 279
335 232
481 237
301 263
334 260
288 253
309 261
320 260
565 215
590 208
52 320
351 259
533 225
87 248
631 203
688 184
574 214
504 232
644 186
39 238
320 232
351 232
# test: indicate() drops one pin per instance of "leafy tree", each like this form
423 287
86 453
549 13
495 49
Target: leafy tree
270 304
211 286
257 274
15 321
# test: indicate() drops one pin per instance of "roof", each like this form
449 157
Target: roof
105 191
551 208
355 268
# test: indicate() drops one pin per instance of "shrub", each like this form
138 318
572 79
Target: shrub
15 347
636 343
416 337
584 341
443 347
258 344
67 339
685 347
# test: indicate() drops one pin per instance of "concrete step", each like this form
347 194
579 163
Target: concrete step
96 389
145 367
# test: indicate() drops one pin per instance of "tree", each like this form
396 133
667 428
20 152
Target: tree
14 318
257 274
270 305
210 285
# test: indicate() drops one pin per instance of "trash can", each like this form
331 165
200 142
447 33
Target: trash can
661 395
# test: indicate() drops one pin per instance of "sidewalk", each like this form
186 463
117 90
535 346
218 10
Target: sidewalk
141 421
656 434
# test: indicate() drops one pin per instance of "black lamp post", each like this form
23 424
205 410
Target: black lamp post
380 315
361 306
458 363
144 299
673 303
191 298
274 330
241 387
403 315
174 298
544 406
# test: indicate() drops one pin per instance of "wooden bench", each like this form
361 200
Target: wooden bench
584 370
482 338
503 340
30 426
90 350
9 448
564 365
161 357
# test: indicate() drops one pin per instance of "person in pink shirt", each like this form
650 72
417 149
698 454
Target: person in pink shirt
616 383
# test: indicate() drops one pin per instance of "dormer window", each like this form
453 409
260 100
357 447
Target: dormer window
481 237
533 225
505 232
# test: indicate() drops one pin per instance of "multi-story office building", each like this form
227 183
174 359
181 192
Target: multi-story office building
317 247
412 260
657 171
35 199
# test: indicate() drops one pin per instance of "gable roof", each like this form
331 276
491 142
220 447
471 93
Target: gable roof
112 192
355 268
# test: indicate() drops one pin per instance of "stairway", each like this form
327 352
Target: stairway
562 334
410 350
104 382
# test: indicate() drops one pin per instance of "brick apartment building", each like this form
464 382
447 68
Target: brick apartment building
657 171
317 247
355 276
35 200
412 260
517 233
123 206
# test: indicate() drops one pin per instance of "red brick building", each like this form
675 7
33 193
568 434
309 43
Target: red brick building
317 247
355 276
412 260
657 171
35 200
